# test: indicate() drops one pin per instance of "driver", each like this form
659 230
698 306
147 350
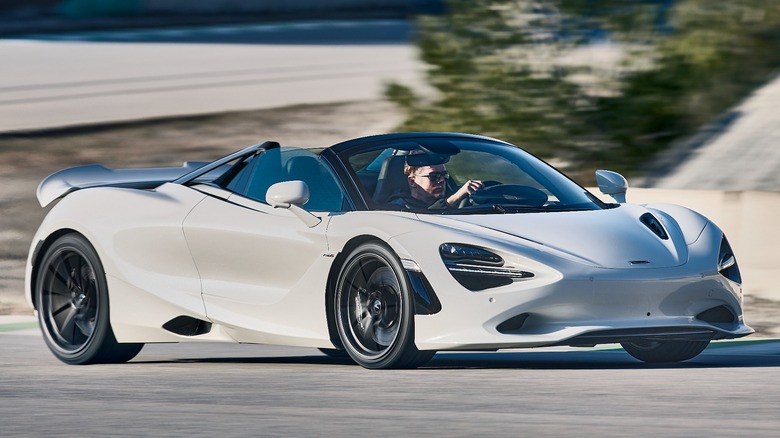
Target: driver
428 189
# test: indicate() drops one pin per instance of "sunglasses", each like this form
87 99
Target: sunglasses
436 176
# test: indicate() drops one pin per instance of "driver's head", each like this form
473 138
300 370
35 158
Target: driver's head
427 183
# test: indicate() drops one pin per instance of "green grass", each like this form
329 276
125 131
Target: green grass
18 326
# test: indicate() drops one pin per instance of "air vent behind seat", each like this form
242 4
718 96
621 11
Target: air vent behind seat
187 326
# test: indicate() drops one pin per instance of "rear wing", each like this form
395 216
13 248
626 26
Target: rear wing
65 181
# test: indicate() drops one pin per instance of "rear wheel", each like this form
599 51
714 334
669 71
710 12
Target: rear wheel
664 351
73 308
374 310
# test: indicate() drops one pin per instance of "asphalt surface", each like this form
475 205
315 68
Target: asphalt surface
251 390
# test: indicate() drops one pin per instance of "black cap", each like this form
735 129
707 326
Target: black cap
426 159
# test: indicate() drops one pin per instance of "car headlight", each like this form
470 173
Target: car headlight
727 262
477 268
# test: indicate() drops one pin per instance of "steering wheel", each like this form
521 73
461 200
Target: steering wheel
466 202
511 194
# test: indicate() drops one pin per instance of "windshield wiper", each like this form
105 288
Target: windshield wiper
496 208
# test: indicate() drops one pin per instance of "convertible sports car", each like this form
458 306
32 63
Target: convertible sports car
310 247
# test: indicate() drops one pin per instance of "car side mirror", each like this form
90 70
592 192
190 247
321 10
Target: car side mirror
292 195
612 184
287 193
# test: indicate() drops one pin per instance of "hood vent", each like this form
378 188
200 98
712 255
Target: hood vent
655 225
575 234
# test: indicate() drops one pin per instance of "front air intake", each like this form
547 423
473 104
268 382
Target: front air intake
718 315
727 263
513 324
477 268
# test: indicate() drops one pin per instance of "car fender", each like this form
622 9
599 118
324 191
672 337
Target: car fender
121 225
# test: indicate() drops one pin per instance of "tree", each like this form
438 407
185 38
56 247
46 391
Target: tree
520 70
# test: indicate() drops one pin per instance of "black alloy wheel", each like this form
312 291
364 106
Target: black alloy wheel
374 310
73 308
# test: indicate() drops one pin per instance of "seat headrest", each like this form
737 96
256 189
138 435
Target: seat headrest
391 181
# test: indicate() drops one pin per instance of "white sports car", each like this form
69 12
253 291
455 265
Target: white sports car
312 247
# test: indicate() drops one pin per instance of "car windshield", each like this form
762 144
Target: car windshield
392 175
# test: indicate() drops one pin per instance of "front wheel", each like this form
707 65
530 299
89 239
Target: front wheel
72 301
664 351
374 310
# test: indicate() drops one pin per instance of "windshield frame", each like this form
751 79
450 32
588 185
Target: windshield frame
534 166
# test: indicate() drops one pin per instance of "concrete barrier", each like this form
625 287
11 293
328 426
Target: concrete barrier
285 6
120 8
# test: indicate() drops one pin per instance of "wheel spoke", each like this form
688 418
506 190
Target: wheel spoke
381 335
68 327
366 324
58 275
62 293
84 326
67 305
363 327
362 271
79 274
353 286
88 282
367 333
66 262
386 327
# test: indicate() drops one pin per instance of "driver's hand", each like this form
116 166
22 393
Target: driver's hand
470 187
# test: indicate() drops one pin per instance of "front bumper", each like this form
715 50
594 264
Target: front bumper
604 307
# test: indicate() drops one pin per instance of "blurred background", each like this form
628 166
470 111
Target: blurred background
680 96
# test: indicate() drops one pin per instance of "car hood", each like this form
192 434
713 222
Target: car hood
614 238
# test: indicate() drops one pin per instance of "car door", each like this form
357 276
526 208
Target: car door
263 268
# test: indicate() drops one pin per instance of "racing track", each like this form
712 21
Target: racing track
252 390
121 75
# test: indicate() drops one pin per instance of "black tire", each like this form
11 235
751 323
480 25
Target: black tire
664 351
374 310
73 308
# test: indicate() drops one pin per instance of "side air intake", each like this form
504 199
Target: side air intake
187 326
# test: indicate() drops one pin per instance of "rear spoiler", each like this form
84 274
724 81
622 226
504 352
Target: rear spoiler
65 181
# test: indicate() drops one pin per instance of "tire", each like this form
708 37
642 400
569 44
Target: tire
73 308
374 310
664 351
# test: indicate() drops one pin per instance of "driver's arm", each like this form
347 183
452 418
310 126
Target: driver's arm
470 187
